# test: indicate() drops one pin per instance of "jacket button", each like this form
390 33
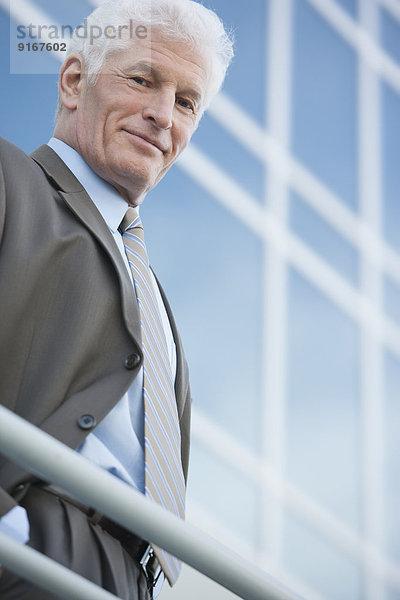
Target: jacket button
132 361
18 489
87 422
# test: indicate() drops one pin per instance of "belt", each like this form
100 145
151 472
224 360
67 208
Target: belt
137 548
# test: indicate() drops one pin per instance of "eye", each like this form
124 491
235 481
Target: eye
187 104
139 80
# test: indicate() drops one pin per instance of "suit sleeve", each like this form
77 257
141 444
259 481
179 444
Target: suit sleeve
2 200
185 433
7 502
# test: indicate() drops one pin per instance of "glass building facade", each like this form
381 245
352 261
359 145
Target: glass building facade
277 239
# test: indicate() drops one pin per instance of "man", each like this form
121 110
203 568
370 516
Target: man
89 348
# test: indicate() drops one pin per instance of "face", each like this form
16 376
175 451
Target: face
132 125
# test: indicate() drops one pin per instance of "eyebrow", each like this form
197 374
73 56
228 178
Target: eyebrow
147 69
142 66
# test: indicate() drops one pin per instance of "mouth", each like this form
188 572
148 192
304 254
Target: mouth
147 139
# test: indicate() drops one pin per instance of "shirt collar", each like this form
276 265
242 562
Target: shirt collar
107 199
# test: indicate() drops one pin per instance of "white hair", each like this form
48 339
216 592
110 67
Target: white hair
176 20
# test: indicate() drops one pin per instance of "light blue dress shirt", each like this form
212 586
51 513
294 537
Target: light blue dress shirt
117 443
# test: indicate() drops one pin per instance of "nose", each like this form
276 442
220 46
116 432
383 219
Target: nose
159 110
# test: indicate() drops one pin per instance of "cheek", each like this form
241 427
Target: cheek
181 137
88 124
102 132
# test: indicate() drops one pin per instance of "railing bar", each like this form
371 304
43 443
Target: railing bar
52 461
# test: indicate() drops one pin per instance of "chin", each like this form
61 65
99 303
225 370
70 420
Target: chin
130 168
138 182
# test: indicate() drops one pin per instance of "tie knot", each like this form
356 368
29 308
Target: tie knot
130 220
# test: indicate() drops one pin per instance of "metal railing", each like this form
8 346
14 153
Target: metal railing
54 462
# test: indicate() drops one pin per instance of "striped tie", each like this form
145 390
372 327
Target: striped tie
164 481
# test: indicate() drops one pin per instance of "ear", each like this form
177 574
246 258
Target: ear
71 81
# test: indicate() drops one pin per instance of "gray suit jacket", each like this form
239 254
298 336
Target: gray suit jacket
70 338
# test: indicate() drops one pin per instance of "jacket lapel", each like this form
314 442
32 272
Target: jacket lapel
80 203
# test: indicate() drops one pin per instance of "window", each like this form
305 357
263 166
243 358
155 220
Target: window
230 156
310 557
350 6
231 498
392 299
323 412
211 266
324 239
390 34
390 165
247 76
392 455
324 101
